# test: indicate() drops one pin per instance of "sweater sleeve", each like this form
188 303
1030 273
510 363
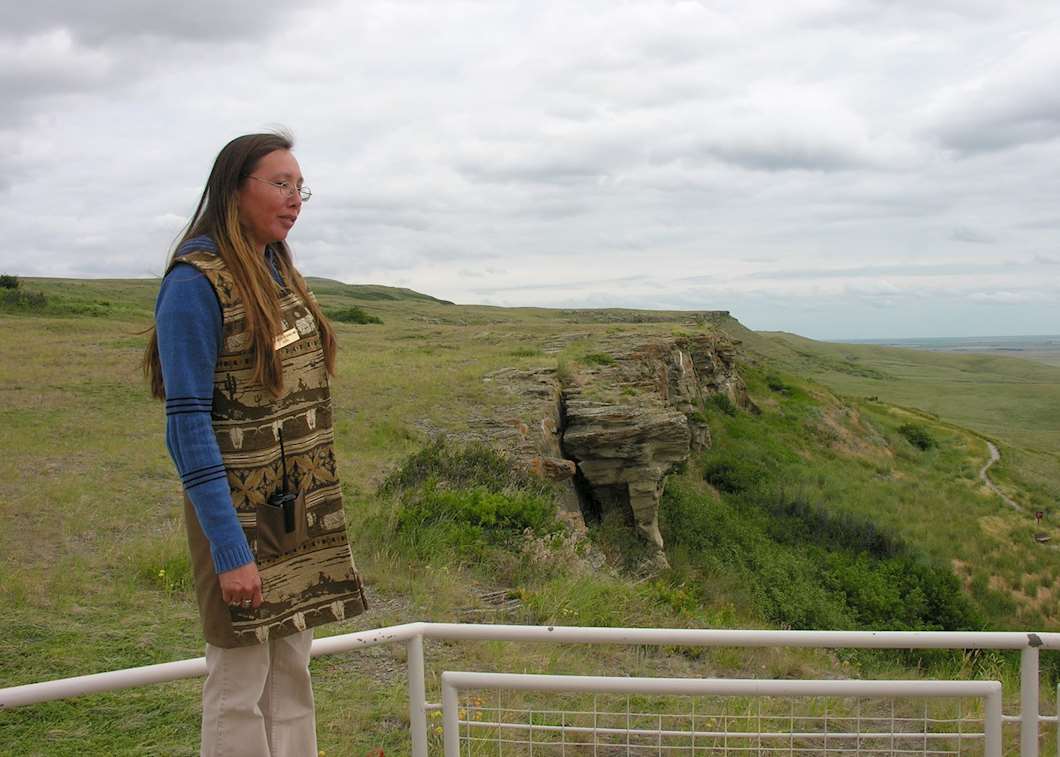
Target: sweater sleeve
188 323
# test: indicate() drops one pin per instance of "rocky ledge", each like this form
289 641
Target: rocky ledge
609 427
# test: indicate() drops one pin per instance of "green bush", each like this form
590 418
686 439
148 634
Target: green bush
597 358
776 384
723 404
480 507
734 475
794 519
465 522
352 314
20 299
466 501
564 371
7 281
802 566
452 466
917 435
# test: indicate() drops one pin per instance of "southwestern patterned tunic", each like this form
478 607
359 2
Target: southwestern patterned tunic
308 575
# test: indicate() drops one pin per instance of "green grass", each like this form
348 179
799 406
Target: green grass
1006 398
94 575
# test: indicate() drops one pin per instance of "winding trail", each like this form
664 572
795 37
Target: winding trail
995 455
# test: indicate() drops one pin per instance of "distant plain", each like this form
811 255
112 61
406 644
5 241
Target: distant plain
1042 348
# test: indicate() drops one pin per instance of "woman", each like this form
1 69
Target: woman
241 355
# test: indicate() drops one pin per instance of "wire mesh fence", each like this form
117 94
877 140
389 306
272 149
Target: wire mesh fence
509 723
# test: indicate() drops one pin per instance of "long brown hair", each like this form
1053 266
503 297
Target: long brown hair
217 216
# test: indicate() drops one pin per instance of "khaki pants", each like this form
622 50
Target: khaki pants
258 700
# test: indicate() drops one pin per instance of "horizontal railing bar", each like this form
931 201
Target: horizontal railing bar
115 680
720 686
656 748
679 637
730 717
730 734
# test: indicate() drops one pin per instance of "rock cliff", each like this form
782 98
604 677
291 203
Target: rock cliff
609 426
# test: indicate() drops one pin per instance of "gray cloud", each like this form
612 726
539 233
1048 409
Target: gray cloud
810 161
196 20
968 234
1012 104
785 155
875 271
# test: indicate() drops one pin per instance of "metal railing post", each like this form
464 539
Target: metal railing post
417 696
451 717
1029 702
992 722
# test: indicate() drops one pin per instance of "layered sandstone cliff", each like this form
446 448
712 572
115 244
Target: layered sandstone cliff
609 427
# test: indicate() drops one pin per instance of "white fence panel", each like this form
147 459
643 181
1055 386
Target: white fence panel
747 741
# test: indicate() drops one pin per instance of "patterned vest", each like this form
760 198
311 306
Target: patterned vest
307 572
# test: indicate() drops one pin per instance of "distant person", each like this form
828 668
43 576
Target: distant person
241 355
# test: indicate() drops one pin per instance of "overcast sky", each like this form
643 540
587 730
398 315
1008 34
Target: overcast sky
840 169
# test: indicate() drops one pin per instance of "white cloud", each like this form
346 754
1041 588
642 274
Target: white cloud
793 158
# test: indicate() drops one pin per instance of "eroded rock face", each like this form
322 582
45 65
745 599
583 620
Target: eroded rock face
624 452
615 428
530 432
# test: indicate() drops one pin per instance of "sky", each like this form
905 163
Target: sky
840 169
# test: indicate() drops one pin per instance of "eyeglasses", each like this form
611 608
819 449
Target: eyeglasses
287 188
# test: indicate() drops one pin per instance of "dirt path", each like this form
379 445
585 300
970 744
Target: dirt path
995 455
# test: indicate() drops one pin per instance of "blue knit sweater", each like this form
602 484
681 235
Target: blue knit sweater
188 323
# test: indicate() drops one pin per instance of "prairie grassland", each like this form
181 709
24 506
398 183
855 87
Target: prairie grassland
1005 398
94 574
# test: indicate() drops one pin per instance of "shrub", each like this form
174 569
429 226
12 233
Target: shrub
801 566
466 501
564 372
723 404
490 510
917 435
597 358
776 384
7 281
794 519
352 314
452 466
439 522
733 475
20 299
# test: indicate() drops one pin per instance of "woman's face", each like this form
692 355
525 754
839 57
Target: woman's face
266 211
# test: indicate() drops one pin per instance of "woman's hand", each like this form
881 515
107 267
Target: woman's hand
241 587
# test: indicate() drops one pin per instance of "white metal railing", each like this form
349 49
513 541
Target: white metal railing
412 635
455 682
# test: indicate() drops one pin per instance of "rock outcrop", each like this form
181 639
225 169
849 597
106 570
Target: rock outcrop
609 429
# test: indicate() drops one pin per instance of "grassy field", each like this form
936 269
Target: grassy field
1011 401
94 574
